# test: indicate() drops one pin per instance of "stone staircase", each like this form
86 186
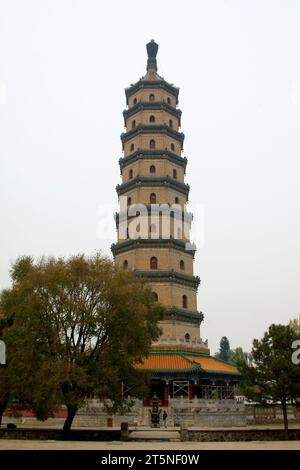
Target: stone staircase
155 434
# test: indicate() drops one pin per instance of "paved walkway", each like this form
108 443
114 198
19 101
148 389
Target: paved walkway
7 444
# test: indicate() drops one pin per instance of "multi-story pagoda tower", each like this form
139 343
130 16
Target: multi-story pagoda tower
154 240
153 222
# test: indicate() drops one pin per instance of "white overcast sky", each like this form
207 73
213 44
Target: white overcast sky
64 65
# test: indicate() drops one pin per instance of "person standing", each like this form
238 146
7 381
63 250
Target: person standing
165 415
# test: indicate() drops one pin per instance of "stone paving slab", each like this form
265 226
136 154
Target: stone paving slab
7 444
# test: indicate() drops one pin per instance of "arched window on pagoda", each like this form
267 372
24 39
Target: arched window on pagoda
181 264
135 101
184 301
125 264
153 263
169 100
175 174
171 123
155 296
133 124
152 198
131 147
129 201
151 97
187 338
130 174
152 169
173 147
152 144
152 119
176 200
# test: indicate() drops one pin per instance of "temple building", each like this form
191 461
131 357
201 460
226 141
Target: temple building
153 227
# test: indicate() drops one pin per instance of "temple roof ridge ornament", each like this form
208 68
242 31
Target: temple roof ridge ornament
152 49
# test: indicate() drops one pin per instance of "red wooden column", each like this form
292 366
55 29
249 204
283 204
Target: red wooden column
166 394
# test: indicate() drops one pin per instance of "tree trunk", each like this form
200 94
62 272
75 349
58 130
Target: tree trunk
72 410
285 416
2 409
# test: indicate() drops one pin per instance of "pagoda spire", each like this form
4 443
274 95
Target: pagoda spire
152 49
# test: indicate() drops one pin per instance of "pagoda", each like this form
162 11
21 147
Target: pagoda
153 226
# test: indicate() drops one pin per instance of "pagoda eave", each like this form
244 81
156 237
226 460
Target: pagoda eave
152 154
153 181
183 314
154 105
152 84
128 245
170 276
150 129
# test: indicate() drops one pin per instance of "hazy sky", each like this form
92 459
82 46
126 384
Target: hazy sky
63 68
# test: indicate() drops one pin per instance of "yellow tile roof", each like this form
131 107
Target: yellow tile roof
210 363
180 360
165 361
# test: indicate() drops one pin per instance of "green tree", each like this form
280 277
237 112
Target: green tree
295 325
238 356
80 326
224 349
272 377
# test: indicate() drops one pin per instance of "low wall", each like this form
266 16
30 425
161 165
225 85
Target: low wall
189 434
208 413
59 435
201 435
94 415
